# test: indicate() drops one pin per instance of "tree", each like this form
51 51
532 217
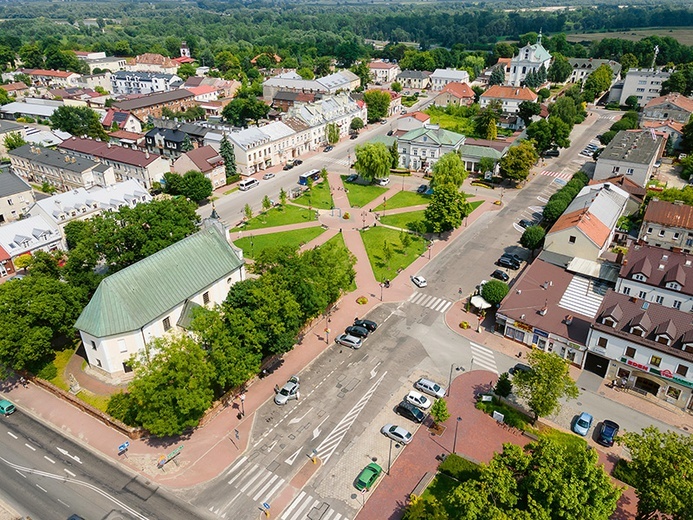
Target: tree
387 252
632 102
599 81
564 108
549 133
497 76
227 153
172 389
323 65
547 382
186 145
447 209
528 109
394 152
31 56
405 239
356 124
196 186
185 71
13 140
533 237
239 111
22 261
449 169
173 183
676 83
661 465
560 70
373 161
504 386
494 291
332 133
628 61
378 103
396 86
517 161
248 212
439 411
363 72
306 73
282 197
266 203
487 118
79 121
487 164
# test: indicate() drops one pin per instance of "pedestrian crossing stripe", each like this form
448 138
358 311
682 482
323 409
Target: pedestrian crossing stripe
430 302
560 175
301 507
483 357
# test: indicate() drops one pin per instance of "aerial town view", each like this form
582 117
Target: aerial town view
346 260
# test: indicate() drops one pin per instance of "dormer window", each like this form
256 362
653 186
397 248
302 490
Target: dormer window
687 347
663 339
638 331
673 285
609 322
639 277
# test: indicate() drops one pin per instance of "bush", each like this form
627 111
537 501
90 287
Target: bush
623 472
459 468
464 325
47 372
346 216
494 291
607 137
362 300
512 417
504 386
553 210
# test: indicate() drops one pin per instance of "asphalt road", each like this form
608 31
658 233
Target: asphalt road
46 476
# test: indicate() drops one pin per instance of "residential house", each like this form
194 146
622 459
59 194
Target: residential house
152 105
52 78
151 62
17 89
34 108
412 121
414 79
132 140
631 153
7 128
81 204
583 67
225 88
284 100
344 81
167 137
205 159
156 296
133 82
509 97
126 163
15 196
121 119
671 129
442 77
672 107
204 93
483 79
648 345
89 55
107 63
471 156
45 138
668 225
26 236
421 148
636 193
383 71
531 57
658 275
587 226
74 96
644 84
63 172
455 93
551 309
92 81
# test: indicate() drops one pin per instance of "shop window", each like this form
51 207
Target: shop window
673 393
655 361
630 352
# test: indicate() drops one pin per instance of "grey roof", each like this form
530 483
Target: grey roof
33 109
9 126
153 99
593 64
11 184
603 201
52 158
139 294
413 74
634 147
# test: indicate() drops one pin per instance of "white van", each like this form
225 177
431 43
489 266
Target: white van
246 184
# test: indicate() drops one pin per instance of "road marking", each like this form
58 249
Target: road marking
30 446
272 446
41 488
239 474
317 430
251 480
291 459
63 503
264 488
296 501
12 435
299 419
374 372
430 302
483 357
236 465
67 454
49 459
69 472
22 474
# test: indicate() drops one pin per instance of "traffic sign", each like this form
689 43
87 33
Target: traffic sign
238 435
266 505
123 447
175 452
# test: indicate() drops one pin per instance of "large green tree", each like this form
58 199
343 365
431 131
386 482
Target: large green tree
599 81
547 382
332 133
494 291
196 186
377 102
447 209
560 69
227 153
449 169
533 237
528 109
564 108
13 140
486 120
517 161
241 110
78 121
497 76
373 161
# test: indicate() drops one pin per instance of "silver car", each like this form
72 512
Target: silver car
289 392
349 341
396 433
429 387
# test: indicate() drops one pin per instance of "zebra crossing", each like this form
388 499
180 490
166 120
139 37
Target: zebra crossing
430 302
341 162
559 175
301 507
482 358
607 117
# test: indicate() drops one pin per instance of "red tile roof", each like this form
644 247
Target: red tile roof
124 134
674 98
202 89
459 90
678 127
13 87
107 151
421 116
381 65
591 227
669 214
505 92
51 73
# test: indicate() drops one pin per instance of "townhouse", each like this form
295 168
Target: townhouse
668 225
442 77
16 196
383 71
152 62
152 105
205 159
631 153
125 82
344 81
414 79
509 97
459 94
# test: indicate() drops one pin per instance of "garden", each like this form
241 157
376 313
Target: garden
359 194
317 196
251 245
278 216
390 251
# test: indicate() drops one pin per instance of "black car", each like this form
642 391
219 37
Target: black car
288 166
500 275
328 148
524 223
354 136
509 262
297 162
551 153
366 324
520 367
607 433
391 132
355 330
422 189
351 178
411 412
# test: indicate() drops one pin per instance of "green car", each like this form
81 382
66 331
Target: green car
6 407
368 476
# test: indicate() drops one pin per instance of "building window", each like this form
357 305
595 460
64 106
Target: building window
673 393
655 361
629 171
626 290
659 300
571 239
677 304
167 323
661 232
205 298
602 342
630 352
122 347
642 295
93 344
616 169
676 236
649 230
682 370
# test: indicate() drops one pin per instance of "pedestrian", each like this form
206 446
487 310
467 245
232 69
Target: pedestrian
276 389
22 381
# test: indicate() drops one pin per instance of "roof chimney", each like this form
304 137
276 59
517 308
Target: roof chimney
146 154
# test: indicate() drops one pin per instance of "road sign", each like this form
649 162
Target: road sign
238 435
266 505
123 447
162 461
175 452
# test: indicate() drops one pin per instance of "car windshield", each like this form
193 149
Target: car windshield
437 387
284 391
583 423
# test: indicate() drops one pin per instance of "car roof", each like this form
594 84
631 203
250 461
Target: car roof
414 393
585 415
349 337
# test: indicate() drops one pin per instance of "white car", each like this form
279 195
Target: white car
419 281
349 341
382 182
396 433
268 176
289 392
418 399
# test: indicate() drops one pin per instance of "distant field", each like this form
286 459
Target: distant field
683 35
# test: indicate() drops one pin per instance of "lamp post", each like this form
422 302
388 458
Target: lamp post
454 444
447 391
381 291
242 404
429 249
389 457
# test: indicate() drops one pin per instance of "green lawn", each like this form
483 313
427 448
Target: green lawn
278 216
459 124
567 439
404 199
253 245
360 195
402 220
374 239
318 196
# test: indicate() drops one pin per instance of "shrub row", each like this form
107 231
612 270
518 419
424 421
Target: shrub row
560 200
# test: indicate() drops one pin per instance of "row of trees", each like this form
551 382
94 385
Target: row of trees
260 317
559 201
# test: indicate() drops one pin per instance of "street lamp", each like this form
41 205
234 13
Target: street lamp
381 291
429 249
454 444
389 457
452 365
243 404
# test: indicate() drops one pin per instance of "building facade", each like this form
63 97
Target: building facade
206 160
26 236
16 196
442 77
644 84
668 225
508 97
130 82
531 57
414 79
630 153
672 107
152 105
383 71
420 149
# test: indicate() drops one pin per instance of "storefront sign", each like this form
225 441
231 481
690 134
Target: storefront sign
664 373
667 374
541 333
642 367
522 326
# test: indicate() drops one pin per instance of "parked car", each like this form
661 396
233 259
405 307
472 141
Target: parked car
287 166
418 399
382 182
359 332
583 424
390 132
419 281
657 164
366 324
328 148
383 121
500 275
422 189
354 136
396 433
520 367
297 162
349 341
552 153
607 433
513 256
269 176
506 261
411 412
429 387
352 178
524 223
6 407
288 392
368 476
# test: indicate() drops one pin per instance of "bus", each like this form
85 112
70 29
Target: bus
312 174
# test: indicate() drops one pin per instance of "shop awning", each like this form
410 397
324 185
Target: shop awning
480 303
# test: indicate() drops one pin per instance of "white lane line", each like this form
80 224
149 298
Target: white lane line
12 435
306 504
70 473
272 491
49 459
296 501
239 474
63 503
440 306
253 479
30 446
236 465
254 488
41 488
22 474
264 488
433 302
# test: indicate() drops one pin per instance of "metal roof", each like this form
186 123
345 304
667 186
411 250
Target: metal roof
37 155
11 184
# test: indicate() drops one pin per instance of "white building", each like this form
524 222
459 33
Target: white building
442 77
420 149
156 296
126 82
508 97
344 80
383 71
583 67
529 58
644 84
27 236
